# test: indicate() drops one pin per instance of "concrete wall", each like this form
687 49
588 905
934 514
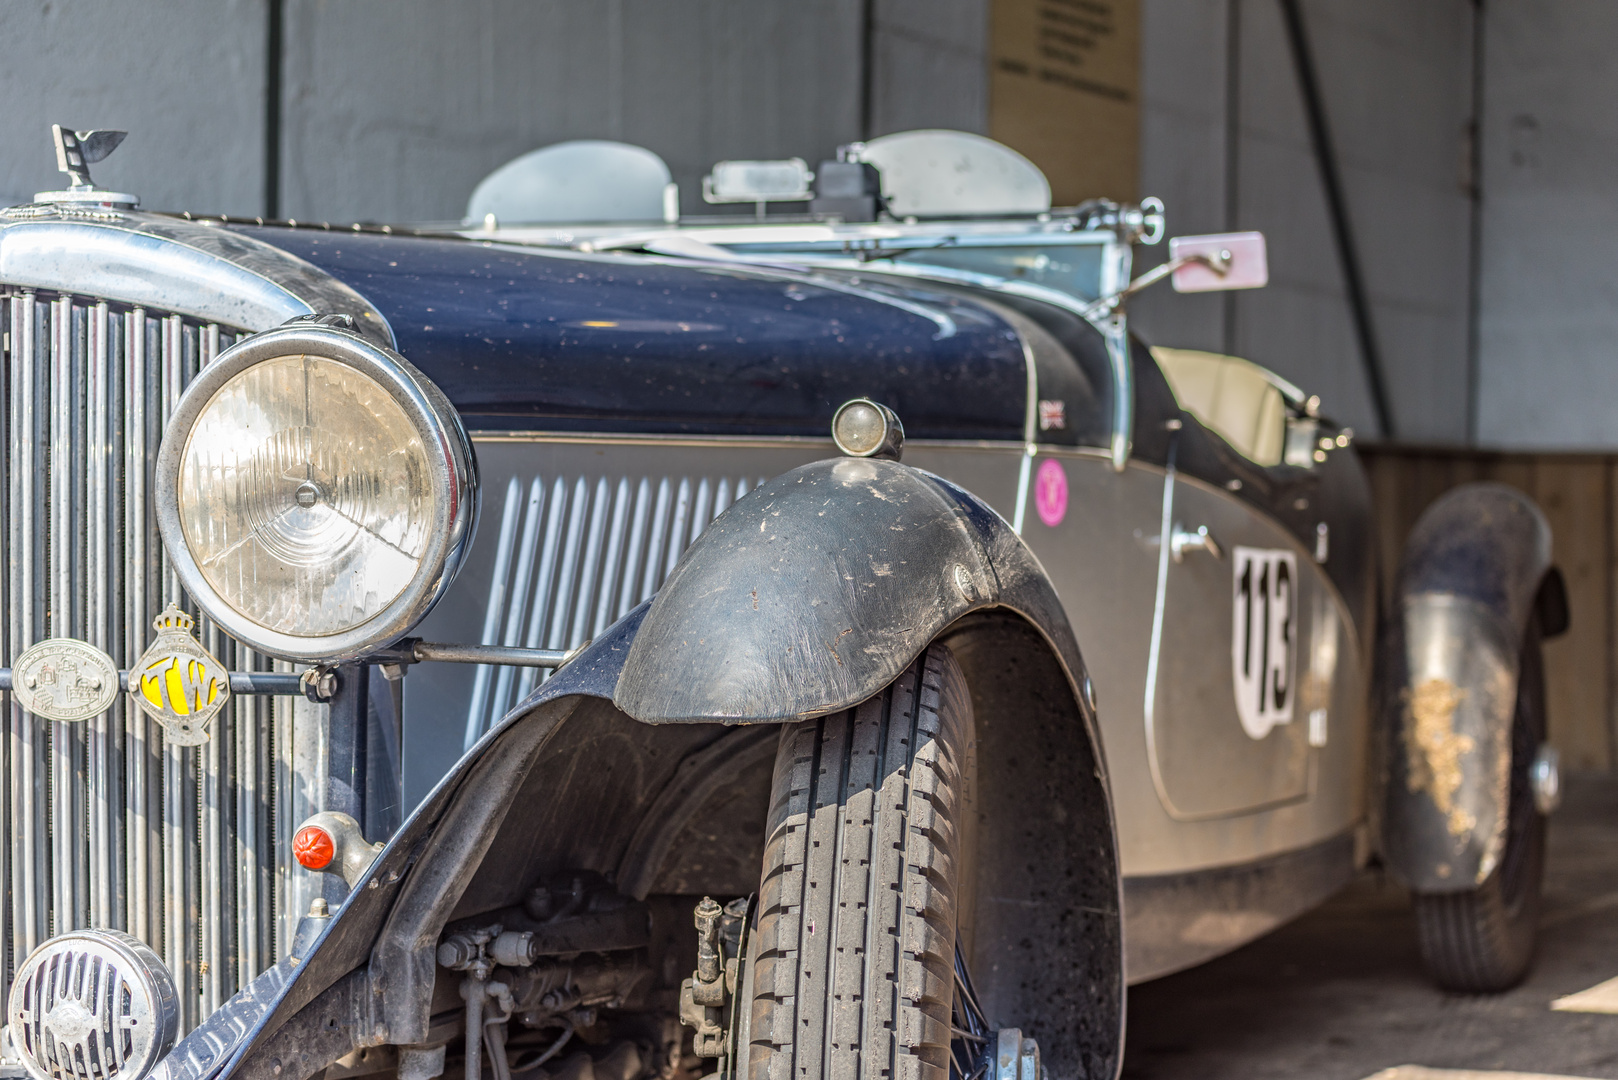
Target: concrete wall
185 78
394 109
1233 153
930 61
1549 291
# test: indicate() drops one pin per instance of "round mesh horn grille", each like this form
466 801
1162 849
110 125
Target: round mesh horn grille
92 1005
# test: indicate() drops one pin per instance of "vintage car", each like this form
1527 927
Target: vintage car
873 657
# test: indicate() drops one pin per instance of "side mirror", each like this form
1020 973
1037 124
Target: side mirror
1220 262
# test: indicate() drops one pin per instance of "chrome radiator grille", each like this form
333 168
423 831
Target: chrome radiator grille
576 554
106 825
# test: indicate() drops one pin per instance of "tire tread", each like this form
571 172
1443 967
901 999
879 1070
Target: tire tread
854 972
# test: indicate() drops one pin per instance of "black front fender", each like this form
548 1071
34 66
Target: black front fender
816 591
808 596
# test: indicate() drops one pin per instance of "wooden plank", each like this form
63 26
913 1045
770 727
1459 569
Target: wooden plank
1573 495
1518 470
1612 614
1386 473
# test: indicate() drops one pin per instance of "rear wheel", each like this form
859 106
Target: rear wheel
863 864
1482 941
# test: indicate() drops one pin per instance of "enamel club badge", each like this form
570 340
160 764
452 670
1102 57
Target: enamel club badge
177 682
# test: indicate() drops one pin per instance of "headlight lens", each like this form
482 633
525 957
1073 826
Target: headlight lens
304 496
321 489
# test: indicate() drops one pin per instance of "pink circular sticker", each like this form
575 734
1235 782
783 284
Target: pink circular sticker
1050 492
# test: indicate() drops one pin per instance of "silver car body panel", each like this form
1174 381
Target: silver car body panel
611 519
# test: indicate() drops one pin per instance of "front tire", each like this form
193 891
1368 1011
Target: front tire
863 864
1482 940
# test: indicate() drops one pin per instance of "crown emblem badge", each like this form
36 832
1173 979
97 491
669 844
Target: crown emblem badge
178 682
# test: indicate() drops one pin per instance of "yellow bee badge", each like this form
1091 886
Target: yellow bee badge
177 682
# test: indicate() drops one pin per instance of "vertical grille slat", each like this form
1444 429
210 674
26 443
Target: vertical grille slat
104 824
569 563
509 514
101 849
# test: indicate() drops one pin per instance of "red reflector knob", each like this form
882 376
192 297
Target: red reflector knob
313 847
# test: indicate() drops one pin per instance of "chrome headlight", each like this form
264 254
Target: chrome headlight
316 493
92 1005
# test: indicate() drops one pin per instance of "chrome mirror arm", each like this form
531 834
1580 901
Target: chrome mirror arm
1219 264
1110 317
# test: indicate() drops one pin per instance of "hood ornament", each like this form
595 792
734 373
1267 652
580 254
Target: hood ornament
178 682
76 151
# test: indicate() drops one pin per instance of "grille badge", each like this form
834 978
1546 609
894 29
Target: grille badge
178 682
65 680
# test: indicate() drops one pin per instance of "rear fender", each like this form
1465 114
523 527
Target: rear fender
1476 569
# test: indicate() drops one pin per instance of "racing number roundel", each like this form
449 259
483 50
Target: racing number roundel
1264 636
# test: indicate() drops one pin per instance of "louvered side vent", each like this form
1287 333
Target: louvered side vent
577 553
105 824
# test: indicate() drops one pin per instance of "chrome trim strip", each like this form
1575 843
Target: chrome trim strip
24 523
195 269
727 442
610 565
591 567
539 606
1154 652
1030 431
98 632
637 536
512 638
67 912
140 746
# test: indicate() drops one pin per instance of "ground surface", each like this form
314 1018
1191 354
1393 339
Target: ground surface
1339 994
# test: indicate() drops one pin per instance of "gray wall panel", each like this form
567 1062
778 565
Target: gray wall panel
187 84
397 108
1396 84
930 65
1550 235
394 109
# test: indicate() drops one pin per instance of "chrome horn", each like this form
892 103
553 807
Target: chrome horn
92 1005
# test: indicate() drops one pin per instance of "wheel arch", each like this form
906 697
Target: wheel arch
573 779
1476 570
816 592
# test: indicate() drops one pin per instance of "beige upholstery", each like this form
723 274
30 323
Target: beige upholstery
1231 396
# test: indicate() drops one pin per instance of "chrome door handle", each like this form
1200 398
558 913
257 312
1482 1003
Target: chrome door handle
1182 541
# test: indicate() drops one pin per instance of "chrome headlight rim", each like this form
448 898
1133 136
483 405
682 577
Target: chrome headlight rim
453 475
154 1005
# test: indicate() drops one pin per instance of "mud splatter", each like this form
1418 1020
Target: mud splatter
1434 750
